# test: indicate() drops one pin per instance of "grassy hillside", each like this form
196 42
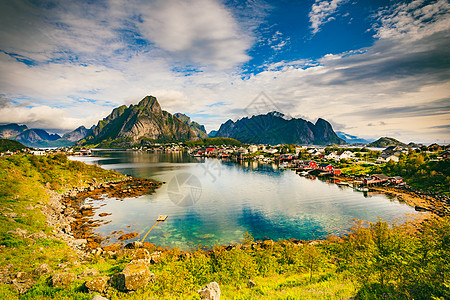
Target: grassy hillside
384 142
372 262
10 145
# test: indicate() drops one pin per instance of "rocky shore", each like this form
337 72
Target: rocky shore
72 218
433 202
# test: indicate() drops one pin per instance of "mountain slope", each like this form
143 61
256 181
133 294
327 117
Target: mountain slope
137 124
10 145
36 136
12 130
196 127
273 128
78 134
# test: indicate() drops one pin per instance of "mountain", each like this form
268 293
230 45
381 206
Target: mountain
351 139
274 128
384 142
197 128
12 130
36 137
10 145
138 124
78 134
212 133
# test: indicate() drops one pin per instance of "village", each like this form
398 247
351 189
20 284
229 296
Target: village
309 161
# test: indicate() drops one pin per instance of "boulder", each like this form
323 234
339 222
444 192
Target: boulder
97 284
22 286
19 232
142 254
79 242
43 269
62 279
98 297
89 272
37 235
210 292
134 276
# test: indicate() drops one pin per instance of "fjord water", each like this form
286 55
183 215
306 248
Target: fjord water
230 199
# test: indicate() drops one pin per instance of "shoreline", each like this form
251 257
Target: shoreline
421 201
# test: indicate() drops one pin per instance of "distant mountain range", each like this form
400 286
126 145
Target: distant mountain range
140 124
274 128
39 137
147 123
351 139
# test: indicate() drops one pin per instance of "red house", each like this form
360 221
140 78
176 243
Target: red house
326 167
336 171
396 179
309 165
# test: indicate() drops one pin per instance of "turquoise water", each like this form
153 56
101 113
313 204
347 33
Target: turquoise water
214 202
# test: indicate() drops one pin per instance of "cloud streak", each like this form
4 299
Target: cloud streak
321 12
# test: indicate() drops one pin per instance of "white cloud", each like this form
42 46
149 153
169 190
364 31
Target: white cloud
414 21
199 31
402 69
320 12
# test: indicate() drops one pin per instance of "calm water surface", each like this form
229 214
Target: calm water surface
231 199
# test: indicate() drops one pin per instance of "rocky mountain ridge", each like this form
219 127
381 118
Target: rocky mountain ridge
274 128
138 124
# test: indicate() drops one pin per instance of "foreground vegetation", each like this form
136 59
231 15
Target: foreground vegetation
374 261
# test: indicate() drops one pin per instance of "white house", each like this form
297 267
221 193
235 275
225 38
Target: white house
252 148
384 158
331 155
346 155
38 152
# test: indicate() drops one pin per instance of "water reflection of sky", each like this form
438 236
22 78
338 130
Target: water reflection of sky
261 199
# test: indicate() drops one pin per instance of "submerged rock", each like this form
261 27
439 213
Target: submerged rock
211 291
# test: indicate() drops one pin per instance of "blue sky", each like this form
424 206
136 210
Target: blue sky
372 68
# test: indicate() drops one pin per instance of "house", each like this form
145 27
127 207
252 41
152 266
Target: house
331 155
377 178
393 150
445 154
326 167
385 157
286 157
336 172
345 155
242 150
252 148
395 179
38 152
271 151
308 165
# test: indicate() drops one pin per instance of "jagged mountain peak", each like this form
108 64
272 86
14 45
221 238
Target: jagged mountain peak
276 128
138 124
150 103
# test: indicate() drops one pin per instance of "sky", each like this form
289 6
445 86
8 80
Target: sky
371 68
